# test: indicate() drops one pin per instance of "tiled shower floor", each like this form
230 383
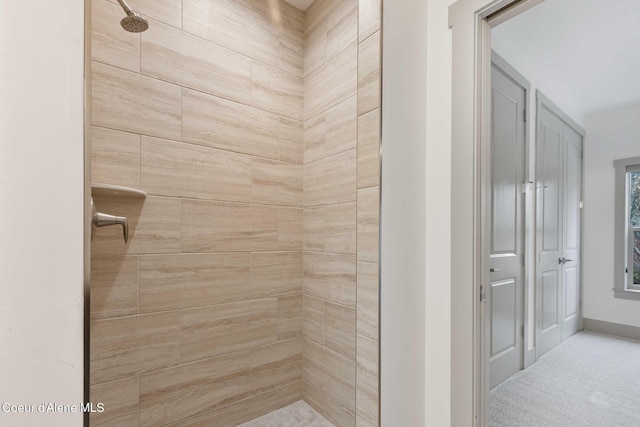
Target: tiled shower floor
297 414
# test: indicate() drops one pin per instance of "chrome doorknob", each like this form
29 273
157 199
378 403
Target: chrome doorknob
495 270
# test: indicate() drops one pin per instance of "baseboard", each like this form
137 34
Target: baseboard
610 328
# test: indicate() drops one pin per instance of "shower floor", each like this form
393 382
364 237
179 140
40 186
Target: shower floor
297 414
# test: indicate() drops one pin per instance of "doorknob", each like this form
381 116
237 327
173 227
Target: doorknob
563 260
495 270
99 219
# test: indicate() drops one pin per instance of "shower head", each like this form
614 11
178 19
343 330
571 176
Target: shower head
133 22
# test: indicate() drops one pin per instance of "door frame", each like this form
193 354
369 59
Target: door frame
471 22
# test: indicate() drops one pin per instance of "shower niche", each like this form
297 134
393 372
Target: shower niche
249 134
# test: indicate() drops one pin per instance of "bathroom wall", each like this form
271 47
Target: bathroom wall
198 317
341 209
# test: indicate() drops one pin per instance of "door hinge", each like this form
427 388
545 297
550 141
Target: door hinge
483 293
522 332
524 114
581 204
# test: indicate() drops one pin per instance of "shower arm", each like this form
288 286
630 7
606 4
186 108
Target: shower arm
125 6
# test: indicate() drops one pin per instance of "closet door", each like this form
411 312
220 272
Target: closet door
571 232
559 186
549 166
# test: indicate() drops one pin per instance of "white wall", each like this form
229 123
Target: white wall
41 207
438 226
611 135
403 213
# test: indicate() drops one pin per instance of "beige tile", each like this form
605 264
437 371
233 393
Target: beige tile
290 317
235 413
368 299
277 91
367 380
115 157
215 226
342 27
290 229
291 137
114 286
291 40
369 74
369 149
177 57
109 42
364 419
332 131
316 15
331 26
120 399
276 183
245 26
340 330
177 169
313 319
332 83
167 11
369 18
276 273
327 407
315 47
215 122
331 277
290 393
154 226
330 180
131 345
330 373
175 393
369 224
169 282
220 329
130 102
330 228
276 365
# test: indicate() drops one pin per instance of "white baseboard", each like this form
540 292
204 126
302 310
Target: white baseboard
610 328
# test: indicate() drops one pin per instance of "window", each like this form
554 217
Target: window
627 262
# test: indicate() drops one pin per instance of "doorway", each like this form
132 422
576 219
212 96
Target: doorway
473 202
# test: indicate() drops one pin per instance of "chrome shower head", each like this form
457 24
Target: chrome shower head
133 22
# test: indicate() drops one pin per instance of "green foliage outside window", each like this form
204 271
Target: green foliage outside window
634 221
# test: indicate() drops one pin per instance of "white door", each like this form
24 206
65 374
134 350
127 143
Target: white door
559 176
549 228
571 232
505 294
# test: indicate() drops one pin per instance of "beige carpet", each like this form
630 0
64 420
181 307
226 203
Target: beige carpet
589 380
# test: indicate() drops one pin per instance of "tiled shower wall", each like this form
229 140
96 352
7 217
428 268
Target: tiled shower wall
197 321
341 209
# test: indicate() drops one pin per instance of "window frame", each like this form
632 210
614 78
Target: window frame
623 280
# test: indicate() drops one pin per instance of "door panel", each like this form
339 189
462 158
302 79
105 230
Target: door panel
503 317
549 221
571 225
550 300
505 295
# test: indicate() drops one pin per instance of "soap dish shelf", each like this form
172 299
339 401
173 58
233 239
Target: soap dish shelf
116 190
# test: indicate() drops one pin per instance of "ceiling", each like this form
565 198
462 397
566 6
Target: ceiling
300 4
585 52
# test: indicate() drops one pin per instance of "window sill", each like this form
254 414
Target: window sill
626 294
